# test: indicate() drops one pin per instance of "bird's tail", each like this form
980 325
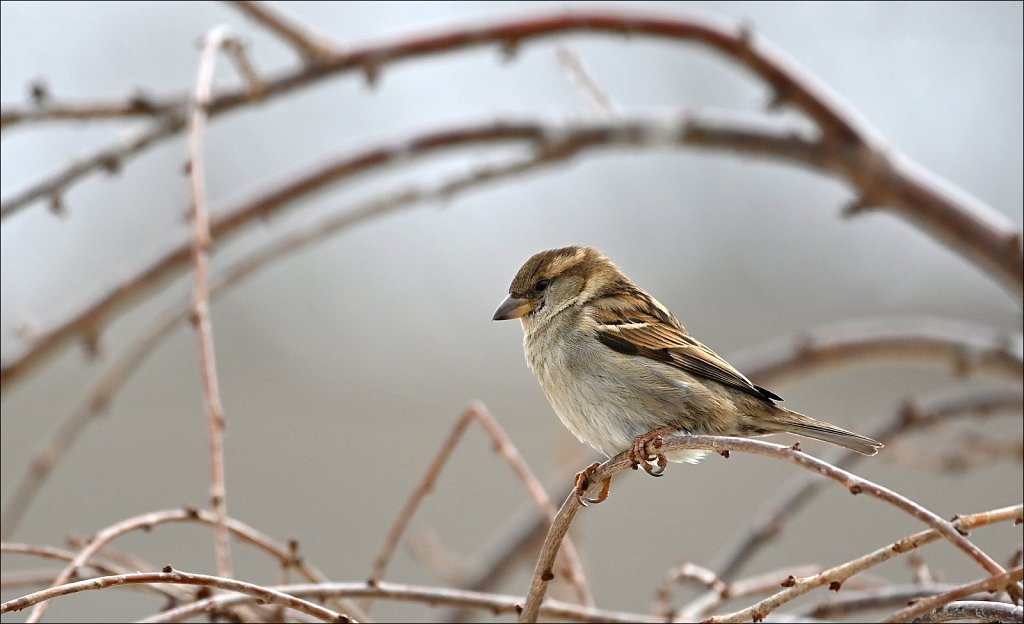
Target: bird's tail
794 422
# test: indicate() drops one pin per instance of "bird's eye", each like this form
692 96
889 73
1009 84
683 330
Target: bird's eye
541 285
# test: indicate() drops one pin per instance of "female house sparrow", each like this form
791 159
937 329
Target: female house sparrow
620 370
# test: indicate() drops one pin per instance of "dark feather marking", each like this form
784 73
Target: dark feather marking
617 343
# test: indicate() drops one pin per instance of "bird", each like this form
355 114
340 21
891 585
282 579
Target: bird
620 371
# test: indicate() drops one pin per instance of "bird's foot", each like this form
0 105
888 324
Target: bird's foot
646 451
585 479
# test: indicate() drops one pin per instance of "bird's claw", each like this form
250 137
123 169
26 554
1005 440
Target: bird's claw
585 479
647 449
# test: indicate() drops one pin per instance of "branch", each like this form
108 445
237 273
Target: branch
966 348
881 179
543 572
769 521
497 604
311 48
553 143
45 109
924 606
975 610
217 39
147 521
118 373
833 578
573 569
173 576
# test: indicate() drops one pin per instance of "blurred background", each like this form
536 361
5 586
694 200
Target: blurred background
343 366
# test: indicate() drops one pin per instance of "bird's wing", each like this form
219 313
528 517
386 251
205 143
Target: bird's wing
647 329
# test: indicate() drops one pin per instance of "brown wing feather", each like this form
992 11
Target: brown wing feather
649 330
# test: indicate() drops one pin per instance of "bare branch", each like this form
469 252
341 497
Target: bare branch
150 520
792 498
214 41
586 84
555 143
118 373
138 105
497 604
880 177
573 570
173 576
924 606
833 578
312 48
110 159
543 573
980 610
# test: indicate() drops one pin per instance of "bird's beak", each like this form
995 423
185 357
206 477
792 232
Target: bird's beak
513 307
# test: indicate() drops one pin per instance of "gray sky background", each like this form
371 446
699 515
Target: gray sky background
380 336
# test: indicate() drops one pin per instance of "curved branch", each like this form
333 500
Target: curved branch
882 179
148 521
553 143
543 572
264 594
497 604
834 577
792 498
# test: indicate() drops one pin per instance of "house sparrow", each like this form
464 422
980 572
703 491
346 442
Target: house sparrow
620 371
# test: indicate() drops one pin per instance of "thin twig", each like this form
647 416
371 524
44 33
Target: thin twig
117 374
556 142
59 554
833 578
175 577
585 83
849 603
542 573
138 105
572 570
312 48
497 604
147 521
924 606
214 41
797 492
110 159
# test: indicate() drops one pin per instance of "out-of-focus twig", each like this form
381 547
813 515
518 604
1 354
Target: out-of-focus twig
217 39
147 521
924 606
980 610
312 48
554 142
585 82
497 604
169 575
118 373
572 569
881 178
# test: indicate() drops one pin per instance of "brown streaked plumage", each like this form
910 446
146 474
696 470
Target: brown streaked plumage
619 369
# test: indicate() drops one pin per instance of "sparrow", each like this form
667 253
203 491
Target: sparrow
620 370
